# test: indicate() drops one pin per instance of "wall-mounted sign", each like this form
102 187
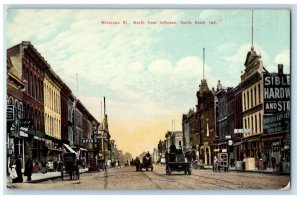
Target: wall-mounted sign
277 93
227 137
10 113
26 122
230 142
276 122
242 131
87 140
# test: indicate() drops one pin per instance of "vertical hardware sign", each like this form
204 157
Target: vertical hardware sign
277 93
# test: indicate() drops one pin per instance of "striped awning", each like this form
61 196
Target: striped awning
69 149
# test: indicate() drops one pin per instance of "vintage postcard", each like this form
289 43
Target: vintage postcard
148 99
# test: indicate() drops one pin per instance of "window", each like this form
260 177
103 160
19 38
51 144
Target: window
248 105
259 124
251 97
252 123
255 124
254 96
259 100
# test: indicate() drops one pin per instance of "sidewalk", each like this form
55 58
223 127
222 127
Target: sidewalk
40 177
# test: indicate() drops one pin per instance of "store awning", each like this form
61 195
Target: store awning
69 149
237 143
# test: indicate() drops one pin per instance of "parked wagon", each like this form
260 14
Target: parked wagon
70 166
223 162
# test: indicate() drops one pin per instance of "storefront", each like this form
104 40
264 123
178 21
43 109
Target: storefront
277 144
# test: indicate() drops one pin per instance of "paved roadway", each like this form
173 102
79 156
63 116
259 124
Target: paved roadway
127 178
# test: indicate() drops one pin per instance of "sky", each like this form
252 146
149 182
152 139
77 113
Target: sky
149 74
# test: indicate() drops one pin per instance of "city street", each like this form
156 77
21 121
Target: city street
127 178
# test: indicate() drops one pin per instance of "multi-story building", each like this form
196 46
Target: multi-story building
15 110
52 114
222 119
71 106
252 102
66 112
188 130
29 65
235 122
206 115
275 139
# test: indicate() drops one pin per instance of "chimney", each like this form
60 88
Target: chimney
280 69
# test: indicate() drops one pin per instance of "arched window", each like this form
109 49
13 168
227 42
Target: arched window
10 101
21 110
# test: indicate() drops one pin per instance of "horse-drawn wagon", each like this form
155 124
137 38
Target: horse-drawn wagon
70 166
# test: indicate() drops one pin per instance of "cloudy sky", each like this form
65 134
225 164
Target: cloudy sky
148 73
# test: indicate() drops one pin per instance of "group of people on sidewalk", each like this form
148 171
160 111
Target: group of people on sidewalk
15 168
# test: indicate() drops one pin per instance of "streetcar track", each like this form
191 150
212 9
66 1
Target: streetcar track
239 185
168 180
156 184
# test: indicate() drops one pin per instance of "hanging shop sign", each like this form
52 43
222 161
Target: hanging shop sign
277 93
87 140
276 122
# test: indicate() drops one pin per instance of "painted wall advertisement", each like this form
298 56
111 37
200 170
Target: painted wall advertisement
277 93
277 105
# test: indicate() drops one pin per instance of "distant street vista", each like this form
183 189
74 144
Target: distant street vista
148 99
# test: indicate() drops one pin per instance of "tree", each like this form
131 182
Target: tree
127 156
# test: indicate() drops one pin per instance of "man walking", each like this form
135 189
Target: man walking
273 160
28 168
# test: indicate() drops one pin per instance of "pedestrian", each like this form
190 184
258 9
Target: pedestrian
273 160
13 173
232 162
119 164
44 166
28 168
264 159
18 164
215 166
116 164
36 167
